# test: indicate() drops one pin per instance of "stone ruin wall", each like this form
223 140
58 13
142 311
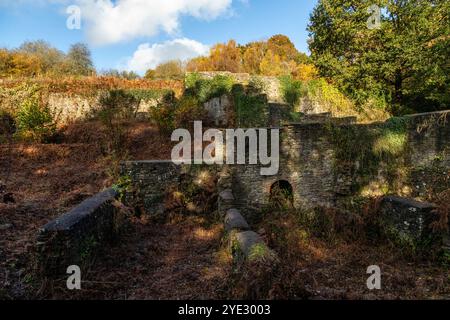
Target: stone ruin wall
68 109
150 182
308 162
271 84
217 108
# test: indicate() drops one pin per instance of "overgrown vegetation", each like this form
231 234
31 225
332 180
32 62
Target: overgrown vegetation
250 105
188 109
313 241
34 120
195 194
328 98
206 89
7 125
250 108
117 106
11 90
292 90
366 149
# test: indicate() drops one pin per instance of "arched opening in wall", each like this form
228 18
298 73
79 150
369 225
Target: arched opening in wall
282 194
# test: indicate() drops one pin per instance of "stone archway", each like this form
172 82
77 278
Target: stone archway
282 193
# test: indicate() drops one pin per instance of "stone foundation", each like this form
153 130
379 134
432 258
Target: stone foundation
72 238
408 219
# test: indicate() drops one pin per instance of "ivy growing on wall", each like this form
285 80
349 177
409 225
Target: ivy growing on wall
251 110
366 149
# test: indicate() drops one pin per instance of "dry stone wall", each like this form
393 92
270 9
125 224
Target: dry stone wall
271 85
310 162
73 238
68 109
319 168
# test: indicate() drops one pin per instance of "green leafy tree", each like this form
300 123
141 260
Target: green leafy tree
291 89
405 61
79 60
34 119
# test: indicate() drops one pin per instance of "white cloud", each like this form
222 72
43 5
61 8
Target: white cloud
149 56
109 22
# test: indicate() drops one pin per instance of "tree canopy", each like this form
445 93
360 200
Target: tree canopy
79 60
169 70
275 57
39 58
404 62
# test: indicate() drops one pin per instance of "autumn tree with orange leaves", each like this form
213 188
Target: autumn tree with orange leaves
274 57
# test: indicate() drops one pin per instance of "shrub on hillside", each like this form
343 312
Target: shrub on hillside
11 98
191 80
117 106
90 86
330 99
291 90
34 120
256 85
163 115
188 110
7 127
206 89
251 111
333 100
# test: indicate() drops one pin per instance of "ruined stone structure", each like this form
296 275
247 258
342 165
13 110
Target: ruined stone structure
67 109
73 238
271 84
411 219
322 161
311 162
218 110
319 163
271 88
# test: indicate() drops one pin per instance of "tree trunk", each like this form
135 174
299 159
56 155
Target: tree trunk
398 98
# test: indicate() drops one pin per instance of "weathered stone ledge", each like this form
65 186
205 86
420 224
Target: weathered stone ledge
409 219
235 221
71 239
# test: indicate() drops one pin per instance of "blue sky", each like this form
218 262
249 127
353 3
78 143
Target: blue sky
137 34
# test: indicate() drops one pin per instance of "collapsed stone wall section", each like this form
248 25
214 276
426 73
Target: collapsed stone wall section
72 238
408 222
309 161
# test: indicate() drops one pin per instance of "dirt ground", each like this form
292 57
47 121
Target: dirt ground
177 259
340 272
47 180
